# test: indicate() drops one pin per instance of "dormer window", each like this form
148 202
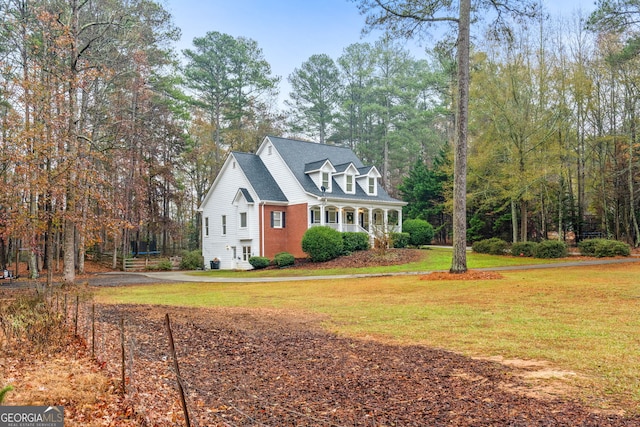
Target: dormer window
322 173
372 185
349 188
325 180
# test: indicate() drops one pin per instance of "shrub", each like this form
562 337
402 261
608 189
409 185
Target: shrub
355 241
164 265
493 246
420 231
400 240
603 248
527 249
284 259
322 244
551 249
191 260
259 262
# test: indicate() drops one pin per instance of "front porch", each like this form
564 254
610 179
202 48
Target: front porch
374 221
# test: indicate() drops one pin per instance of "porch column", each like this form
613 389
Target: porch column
400 220
340 219
385 220
356 220
322 214
370 220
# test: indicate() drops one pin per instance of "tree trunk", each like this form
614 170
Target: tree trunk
459 260
524 218
514 222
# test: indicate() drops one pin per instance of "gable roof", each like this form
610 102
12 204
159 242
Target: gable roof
259 177
245 193
298 155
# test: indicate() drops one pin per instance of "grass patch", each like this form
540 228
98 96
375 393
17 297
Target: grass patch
581 319
434 259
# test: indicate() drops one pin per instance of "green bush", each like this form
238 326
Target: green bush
492 246
259 262
527 249
603 248
420 231
355 241
164 265
551 249
284 259
322 243
191 260
400 240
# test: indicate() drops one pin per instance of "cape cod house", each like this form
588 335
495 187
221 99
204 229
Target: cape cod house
262 204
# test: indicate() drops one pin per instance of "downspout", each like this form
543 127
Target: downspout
262 229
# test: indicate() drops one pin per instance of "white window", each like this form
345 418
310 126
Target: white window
372 185
349 183
246 253
243 220
224 225
206 225
277 219
331 216
325 180
315 215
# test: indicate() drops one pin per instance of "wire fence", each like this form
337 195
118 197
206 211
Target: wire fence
162 389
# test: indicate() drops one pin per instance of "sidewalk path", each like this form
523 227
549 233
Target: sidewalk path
121 278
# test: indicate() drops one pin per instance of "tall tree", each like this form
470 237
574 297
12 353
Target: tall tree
314 95
228 75
408 18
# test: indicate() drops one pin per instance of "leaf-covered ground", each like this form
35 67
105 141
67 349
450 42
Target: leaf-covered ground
275 368
247 367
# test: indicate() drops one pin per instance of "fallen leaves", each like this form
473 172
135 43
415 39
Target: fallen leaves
468 275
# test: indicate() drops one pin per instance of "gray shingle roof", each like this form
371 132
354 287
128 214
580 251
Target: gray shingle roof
246 195
299 154
260 178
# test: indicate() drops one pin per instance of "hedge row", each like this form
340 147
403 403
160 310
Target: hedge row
603 248
552 248
282 259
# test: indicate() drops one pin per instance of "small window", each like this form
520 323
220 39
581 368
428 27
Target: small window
246 253
243 220
277 219
331 216
325 180
349 183
315 215
372 185
206 226
224 225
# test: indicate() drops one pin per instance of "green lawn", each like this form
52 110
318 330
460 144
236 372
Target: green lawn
581 319
434 259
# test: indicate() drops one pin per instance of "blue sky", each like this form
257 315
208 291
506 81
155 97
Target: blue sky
290 31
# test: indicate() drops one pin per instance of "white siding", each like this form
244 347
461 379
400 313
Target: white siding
283 176
219 202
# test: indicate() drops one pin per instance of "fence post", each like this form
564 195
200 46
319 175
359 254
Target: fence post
76 317
177 369
122 355
93 331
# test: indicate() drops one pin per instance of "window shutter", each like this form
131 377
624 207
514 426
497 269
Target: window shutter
271 219
282 218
